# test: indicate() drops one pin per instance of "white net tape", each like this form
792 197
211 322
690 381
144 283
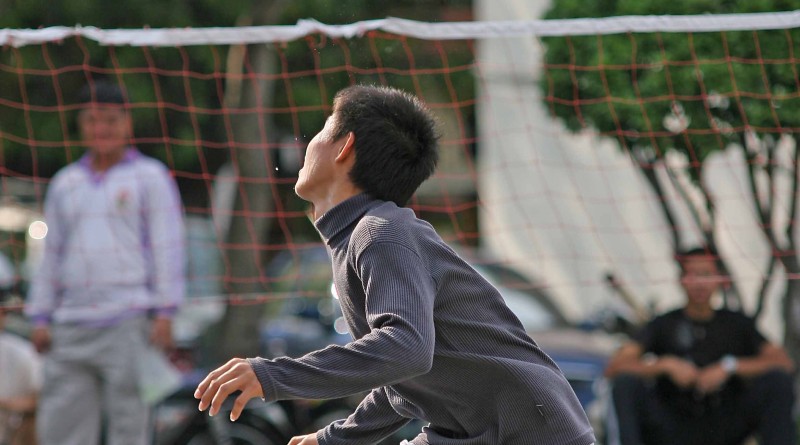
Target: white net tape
411 28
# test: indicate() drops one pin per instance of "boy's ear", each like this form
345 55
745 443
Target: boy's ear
348 147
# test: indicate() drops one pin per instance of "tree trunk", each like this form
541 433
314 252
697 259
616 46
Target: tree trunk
791 266
787 255
238 332
648 170
791 305
647 167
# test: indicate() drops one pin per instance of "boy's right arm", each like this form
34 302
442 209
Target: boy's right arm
41 297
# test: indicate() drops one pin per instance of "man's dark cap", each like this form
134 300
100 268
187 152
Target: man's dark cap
697 252
101 92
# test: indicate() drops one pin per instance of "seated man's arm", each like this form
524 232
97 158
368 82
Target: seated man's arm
631 359
19 404
770 357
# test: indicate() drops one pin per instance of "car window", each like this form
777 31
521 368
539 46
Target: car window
532 306
533 315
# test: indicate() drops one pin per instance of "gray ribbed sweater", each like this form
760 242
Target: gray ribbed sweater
433 340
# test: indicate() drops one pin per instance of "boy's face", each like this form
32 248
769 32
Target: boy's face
105 128
700 279
317 172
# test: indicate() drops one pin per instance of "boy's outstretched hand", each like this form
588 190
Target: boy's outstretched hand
308 439
236 375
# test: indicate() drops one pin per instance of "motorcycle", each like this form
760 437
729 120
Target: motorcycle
177 421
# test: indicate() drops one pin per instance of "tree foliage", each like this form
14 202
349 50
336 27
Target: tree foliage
41 135
62 68
694 92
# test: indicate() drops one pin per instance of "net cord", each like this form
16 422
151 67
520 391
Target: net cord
422 30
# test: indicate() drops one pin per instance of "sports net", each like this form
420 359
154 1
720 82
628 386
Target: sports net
579 154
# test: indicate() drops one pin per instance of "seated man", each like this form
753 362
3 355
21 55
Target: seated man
20 382
699 375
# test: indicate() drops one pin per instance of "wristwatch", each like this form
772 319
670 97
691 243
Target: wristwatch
729 363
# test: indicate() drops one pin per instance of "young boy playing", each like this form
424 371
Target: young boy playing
432 339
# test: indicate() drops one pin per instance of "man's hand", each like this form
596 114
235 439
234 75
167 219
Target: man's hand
711 378
308 439
161 333
236 375
41 339
683 372
19 404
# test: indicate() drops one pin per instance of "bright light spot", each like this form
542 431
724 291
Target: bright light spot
333 291
37 230
677 120
325 308
340 325
13 218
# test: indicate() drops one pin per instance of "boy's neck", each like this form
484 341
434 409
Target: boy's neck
103 162
335 197
699 313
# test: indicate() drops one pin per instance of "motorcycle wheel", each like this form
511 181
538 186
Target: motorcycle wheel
239 434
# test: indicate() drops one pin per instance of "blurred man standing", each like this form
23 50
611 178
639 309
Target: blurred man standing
110 282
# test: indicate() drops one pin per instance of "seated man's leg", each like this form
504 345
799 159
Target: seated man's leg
627 395
766 408
642 417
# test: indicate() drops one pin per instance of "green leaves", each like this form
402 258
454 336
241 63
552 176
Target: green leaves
689 91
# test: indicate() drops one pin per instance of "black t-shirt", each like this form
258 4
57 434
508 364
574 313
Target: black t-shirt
702 343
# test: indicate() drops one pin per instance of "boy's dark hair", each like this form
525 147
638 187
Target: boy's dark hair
696 252
101 92
396 144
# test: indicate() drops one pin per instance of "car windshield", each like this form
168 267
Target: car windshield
533 307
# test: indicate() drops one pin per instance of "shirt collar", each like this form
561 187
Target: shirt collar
343 215
131 153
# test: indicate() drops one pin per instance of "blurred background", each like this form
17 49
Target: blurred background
577 157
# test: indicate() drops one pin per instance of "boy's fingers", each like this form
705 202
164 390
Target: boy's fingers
208 395
239 404
226 385
203 387
222 382
217 396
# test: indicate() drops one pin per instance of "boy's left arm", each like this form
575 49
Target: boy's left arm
166 236
373 420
